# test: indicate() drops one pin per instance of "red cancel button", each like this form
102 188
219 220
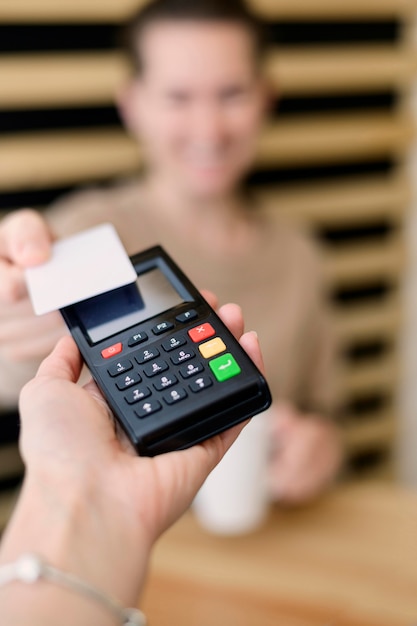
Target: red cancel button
204 331
111 350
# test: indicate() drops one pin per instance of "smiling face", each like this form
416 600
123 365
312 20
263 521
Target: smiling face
198 104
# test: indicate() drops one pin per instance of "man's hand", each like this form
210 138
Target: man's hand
25 240
306 455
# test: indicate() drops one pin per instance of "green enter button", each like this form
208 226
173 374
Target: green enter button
224 367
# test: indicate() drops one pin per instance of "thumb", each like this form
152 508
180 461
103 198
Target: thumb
64 362
25 238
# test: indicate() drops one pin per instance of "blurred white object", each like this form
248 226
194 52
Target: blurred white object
234 498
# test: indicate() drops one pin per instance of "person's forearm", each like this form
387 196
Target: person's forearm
78 533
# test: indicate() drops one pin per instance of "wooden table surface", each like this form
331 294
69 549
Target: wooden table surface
348 560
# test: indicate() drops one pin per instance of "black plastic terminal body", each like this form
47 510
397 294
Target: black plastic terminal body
183 414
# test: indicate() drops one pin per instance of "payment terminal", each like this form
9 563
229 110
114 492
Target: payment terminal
171 372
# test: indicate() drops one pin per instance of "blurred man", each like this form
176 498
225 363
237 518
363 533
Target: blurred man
196 104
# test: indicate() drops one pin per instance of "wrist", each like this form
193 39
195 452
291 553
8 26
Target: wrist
75 528
31 570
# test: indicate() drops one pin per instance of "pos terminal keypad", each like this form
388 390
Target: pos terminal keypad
152 380
171 371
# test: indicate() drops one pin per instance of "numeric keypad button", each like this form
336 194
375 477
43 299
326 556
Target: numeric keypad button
191 369
145 355
156 367
120 367
181 356
147 408
175 395
135 395
201 383
163 382
173 342
128 381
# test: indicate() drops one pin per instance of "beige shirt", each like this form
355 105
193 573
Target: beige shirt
276 282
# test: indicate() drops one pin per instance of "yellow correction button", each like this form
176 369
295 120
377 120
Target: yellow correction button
212 347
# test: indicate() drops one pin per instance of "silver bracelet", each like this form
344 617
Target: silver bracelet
29 568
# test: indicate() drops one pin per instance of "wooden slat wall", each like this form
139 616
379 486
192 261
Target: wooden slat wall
332 157
38 159
328 9
91 78
50 11
60 79
110 11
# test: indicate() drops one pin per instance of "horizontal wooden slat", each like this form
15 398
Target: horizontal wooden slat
358 264
60 79
381 375
333 9
74 79
109 10
335 139
53 159
42 159
383 470
47 11
339 202
373 432
314 71
382 320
